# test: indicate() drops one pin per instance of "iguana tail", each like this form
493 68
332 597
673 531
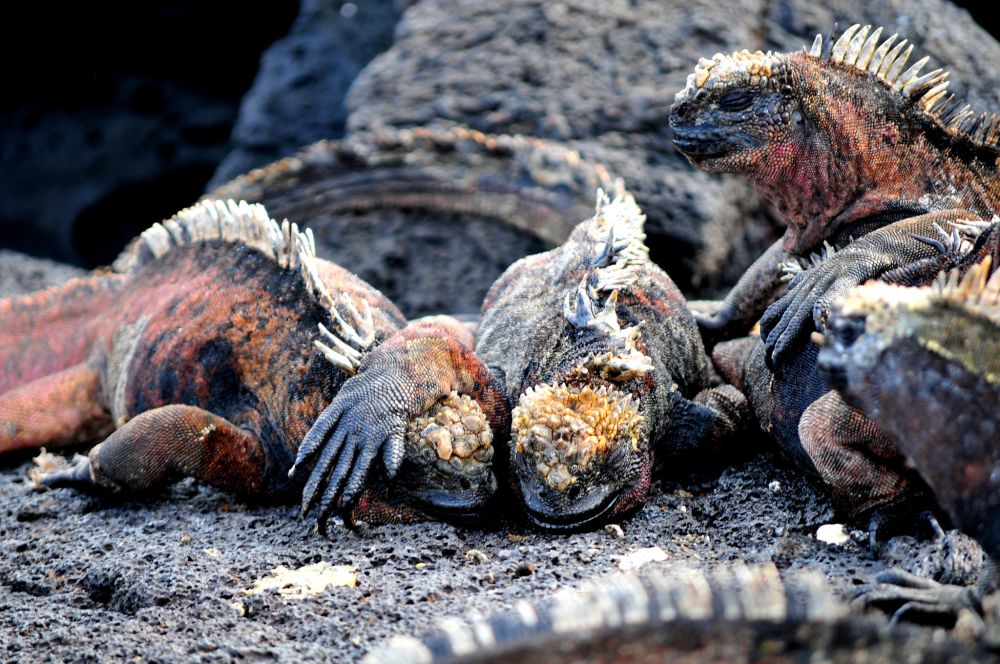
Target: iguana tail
44 332
532 185
740 613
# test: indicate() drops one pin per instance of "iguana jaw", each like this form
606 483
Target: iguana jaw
595 512
384 503
707 145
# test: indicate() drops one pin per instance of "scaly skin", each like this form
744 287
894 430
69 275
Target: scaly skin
203 356
731 614
842 141
854 149
924 364
595 350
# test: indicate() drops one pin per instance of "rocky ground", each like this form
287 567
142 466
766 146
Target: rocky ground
170 579
173 578
176 578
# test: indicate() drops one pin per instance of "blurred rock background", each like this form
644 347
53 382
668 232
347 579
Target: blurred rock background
114 115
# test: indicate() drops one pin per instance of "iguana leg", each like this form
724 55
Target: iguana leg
759 286
60 409
398 381
162 445
712 417
862 466
811 293
730 359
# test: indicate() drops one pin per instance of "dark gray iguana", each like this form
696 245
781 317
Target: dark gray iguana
924 364
730 614
599 359
209 351
855 149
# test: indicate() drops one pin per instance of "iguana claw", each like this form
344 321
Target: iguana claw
348 436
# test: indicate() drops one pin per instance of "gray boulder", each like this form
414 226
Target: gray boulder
601 76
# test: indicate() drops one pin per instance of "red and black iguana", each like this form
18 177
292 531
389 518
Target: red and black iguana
210 350
857 150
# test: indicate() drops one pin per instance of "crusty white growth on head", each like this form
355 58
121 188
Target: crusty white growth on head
741 68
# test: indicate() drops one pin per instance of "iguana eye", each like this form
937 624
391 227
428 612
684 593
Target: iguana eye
736 100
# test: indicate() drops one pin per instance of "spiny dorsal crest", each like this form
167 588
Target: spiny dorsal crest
249 225
886 61
618 241
618 228
978 290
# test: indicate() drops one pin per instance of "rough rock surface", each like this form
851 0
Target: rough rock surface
105 129
298 95
420 261
163 580
602 76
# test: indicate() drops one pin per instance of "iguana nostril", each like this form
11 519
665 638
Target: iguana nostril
680 111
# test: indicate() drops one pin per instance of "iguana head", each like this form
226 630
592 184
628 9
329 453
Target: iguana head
580 453
833 134
957 320
447 472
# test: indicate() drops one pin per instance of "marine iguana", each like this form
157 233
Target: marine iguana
596 352
844 141
730 613
208 352
858 151
924 364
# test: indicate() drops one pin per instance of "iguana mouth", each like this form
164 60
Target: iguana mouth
545 520
454 507
383 503
707 142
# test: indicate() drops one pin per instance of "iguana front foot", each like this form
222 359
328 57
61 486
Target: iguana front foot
425 404
908 252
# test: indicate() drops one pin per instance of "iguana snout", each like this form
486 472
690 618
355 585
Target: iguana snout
575 450
446 472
